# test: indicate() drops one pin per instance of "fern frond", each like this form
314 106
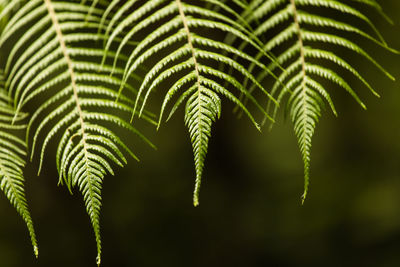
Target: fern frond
307 95
12 160
56 64
191 63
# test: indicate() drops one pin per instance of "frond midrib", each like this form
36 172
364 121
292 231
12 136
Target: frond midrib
66 56
198 82
303 86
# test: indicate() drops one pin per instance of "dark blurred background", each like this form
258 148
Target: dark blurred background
250 212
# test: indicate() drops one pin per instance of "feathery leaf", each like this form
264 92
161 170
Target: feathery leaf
191 63
58 67
300 78
12 160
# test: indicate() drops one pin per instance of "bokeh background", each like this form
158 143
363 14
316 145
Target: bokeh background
250 212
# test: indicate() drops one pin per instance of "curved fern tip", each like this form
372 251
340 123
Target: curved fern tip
306 185
196 194
303 198
98 259
196 201
36 251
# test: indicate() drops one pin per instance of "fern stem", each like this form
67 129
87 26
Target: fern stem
190 43
300 38
64 50
71 72
303 92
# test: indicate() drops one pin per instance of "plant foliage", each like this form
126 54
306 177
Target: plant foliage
13 159
57 67
303 44
198 80
76 70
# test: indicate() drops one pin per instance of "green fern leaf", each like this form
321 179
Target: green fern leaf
300 78
58 67
12 160
199 83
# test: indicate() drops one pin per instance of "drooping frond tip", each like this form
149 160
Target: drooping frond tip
12 161
300 80
192 61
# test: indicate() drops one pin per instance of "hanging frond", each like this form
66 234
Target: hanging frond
187 56
55 64
12 160
301 48
82 69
